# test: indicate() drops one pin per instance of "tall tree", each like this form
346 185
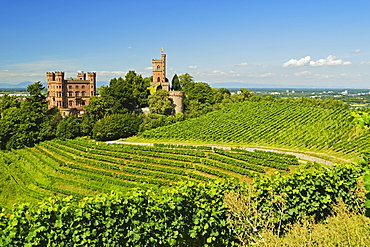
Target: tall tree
175 84
29 121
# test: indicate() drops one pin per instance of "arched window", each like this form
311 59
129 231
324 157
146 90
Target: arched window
158 67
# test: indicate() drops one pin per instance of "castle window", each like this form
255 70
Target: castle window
158 79
70 103
69 87
158 67
77 94
70 94
76 86
83 86
83 93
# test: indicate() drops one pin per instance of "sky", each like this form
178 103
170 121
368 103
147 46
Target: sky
226 43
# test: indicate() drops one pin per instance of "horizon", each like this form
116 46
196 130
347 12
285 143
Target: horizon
264 44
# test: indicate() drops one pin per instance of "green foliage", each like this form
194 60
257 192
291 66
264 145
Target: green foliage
153 120
185 80
159 103
311 193
69 128
175 83
362 119
188 215
126 94
26 123
116 126
301 123
7 102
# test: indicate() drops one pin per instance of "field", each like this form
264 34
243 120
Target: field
84 168
298 126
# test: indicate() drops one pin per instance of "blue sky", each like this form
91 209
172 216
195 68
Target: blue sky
231 43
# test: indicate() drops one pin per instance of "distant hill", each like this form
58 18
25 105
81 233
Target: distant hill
19 85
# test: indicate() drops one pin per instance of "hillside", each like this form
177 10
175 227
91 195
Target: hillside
84 168
279 124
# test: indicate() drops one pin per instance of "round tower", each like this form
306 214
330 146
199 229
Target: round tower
177 98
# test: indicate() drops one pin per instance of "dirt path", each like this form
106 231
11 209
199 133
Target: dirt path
302 157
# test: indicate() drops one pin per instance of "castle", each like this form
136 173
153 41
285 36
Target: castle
71 93
74 93
161 82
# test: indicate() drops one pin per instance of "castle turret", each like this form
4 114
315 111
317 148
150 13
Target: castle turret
159 73
81 76
50 76
91 77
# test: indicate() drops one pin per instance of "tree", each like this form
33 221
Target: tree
8 101
175 84
244 95
221 94
140 90
125 95
29 120
199 91
159 103
185 79
116 126
97 108
69 128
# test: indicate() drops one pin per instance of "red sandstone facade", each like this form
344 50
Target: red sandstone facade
70 93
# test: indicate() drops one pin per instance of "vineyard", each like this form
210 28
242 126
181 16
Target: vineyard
279 124
84 168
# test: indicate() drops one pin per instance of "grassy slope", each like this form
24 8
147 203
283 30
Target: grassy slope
292 126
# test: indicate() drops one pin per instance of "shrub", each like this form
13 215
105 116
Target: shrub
116 126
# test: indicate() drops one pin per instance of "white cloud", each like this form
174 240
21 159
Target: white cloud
297 63
306 61
330 60
302 73
192 67
357 51
148 68
243 64
129 47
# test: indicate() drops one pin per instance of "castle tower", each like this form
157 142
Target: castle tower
159 73
91 77
81 76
